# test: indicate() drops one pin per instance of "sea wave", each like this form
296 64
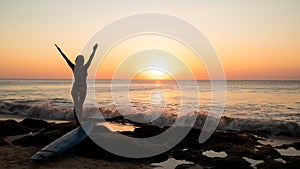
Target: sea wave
162 117
42 110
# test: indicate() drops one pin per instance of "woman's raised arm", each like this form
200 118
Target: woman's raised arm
88 63
66 58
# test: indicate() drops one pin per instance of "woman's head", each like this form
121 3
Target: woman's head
79 60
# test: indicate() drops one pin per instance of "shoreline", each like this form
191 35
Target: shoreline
45 112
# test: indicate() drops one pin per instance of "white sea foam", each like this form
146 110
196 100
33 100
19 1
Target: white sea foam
44 110
270 107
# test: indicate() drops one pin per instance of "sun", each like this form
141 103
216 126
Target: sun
156 72
153 74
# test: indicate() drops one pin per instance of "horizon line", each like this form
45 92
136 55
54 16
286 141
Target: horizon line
153 79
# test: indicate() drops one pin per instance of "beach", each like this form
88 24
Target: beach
225 149
17 157
258 129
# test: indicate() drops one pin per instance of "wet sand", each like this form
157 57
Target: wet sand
17 157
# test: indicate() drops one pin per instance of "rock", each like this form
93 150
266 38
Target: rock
192 155
34 123
270 164
264 152
39 140
122 120
11 127
147 131
292 162
296 145
189 166
235 149
231 162
89 149
46 136
3 143
232 137
118 119
235 144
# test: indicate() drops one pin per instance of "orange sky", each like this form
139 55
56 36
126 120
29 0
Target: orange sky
140 56
254 40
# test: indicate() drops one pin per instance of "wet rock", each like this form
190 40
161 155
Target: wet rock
232 137
296 145
232 142
270 164
231 162
147 131
3 143
235 144
34 123
189 166
292 162
45 136
11 127
192 155
89 149
264 152
123 120
117 119
235 149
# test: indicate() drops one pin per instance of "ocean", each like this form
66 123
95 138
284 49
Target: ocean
252 101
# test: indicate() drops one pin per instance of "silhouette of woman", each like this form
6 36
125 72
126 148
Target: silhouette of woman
80 74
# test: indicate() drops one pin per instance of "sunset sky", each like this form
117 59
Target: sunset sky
258 39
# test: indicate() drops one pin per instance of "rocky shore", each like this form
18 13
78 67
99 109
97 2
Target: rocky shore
224 149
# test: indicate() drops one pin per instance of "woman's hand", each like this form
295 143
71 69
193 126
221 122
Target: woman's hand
95 46
57 46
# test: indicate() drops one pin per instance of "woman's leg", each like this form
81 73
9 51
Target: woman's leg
81 98
75 96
